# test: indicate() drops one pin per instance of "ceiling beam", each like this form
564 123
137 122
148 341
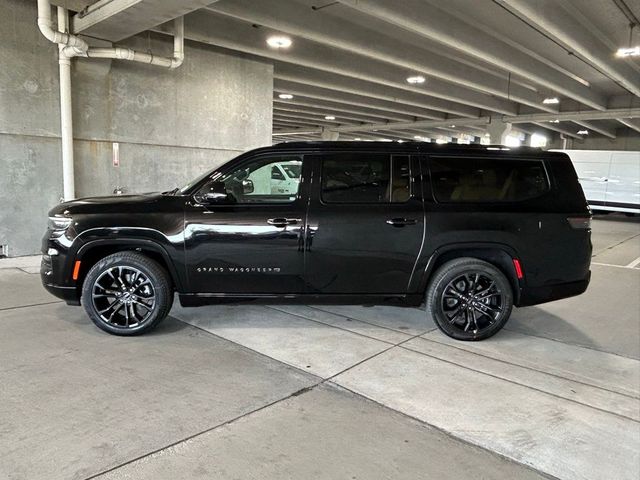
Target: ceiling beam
302 123
115 20
442 27
611 114
602 130
403 125
325 106
632 124
227 32
557 128
382 80
361 87
565 27
338 32
361 100
315 113
312 118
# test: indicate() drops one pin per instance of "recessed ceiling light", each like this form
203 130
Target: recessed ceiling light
583 132
416 79
357 139
554 121
628 52
551 100
417 137
329 117
452 126
279 41
401 141
285 96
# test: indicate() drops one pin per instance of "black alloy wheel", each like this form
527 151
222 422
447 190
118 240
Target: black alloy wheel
127 293
469 299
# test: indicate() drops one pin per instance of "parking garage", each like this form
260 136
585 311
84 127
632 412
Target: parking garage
105 100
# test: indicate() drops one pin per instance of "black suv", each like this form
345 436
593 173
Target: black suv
470 230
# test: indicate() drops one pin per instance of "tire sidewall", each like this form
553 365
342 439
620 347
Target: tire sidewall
154 275
449 272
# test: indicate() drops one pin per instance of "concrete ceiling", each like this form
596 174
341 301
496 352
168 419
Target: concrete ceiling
481 58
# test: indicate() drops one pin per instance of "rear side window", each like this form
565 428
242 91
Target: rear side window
365 178
487 180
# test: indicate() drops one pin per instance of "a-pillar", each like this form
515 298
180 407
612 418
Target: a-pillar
498 131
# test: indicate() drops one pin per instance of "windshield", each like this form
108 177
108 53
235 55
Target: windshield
196 180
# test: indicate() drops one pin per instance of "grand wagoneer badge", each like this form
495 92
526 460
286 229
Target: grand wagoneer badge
238 269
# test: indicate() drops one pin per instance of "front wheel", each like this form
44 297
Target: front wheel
469 299
127 293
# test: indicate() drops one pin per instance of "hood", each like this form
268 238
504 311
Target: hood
111 203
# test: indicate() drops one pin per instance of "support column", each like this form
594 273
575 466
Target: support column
498 131
66 120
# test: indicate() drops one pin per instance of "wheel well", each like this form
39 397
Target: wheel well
495 256
95 254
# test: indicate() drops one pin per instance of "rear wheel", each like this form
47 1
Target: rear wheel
469 299
127 293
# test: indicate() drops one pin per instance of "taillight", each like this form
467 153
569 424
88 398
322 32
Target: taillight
580 223
518 267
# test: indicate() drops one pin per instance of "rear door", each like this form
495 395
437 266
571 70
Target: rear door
365 223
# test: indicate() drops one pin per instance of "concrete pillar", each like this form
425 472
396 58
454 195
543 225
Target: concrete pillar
498 130
330 135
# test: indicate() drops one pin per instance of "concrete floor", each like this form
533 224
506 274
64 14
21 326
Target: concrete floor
326 392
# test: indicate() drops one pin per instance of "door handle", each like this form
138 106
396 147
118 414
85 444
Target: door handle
401 222
283 222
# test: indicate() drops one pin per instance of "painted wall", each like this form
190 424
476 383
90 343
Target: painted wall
170 125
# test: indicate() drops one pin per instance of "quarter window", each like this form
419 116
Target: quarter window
365 178
487 180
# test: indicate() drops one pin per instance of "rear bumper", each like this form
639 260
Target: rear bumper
536 295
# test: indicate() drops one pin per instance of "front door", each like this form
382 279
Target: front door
365 223
251 242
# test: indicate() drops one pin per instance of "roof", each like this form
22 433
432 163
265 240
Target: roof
425 147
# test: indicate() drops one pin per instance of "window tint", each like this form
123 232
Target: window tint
400 179
365 178
263 181
487 180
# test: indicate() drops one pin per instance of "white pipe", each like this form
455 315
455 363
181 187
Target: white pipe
75 46
70 46
66 119
122 53
57 36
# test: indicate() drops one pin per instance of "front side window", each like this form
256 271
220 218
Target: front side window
365 178
263 180
487 180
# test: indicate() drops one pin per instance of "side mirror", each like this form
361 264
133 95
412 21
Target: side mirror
247 187
216 193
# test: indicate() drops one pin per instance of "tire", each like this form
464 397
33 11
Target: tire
465 316
127 293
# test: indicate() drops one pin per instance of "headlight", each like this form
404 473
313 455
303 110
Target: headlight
58 224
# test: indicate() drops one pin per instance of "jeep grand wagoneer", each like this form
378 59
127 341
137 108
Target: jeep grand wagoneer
467 230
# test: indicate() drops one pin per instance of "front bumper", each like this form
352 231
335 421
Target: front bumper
69 294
